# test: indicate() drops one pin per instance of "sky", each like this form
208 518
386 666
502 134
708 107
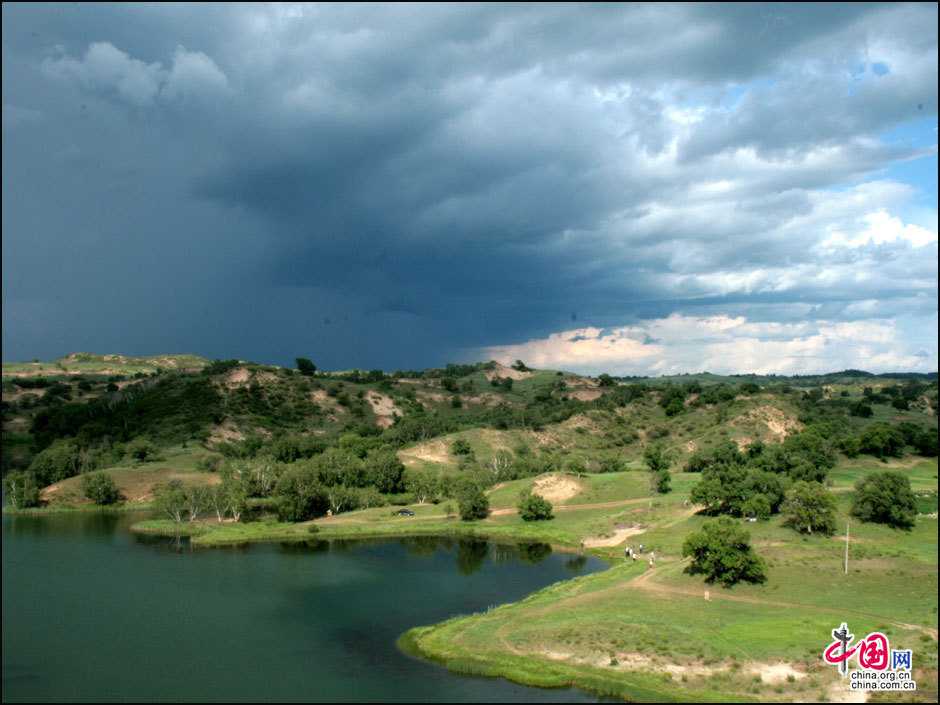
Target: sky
631 189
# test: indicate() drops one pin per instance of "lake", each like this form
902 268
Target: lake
93 612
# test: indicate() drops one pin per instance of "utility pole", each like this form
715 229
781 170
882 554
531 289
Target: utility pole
846 546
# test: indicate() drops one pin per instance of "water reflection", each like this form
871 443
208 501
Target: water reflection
324 615
534 552
577 563
471 554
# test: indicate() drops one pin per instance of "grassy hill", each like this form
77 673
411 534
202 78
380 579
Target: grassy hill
336 454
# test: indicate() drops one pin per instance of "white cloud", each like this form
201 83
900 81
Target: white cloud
881 227
193 75
723 344
107 70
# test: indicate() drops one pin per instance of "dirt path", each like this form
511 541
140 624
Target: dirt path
618 537
508 511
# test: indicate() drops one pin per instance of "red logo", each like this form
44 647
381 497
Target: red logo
872 651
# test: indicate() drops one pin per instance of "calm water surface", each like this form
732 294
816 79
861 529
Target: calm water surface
92 612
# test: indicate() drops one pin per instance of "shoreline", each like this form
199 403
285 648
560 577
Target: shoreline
52 509
208 535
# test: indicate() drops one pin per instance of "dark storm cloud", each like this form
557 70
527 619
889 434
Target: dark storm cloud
394 185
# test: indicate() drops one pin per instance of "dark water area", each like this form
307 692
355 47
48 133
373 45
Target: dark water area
93 612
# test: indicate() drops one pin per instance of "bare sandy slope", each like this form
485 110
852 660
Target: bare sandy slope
502 371
556 488
383 406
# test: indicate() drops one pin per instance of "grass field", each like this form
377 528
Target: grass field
135 481
644 632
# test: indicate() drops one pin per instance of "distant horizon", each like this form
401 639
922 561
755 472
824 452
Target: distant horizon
831 372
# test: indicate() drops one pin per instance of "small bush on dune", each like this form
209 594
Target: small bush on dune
533 507
100 488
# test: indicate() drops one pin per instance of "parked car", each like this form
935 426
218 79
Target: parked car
405 512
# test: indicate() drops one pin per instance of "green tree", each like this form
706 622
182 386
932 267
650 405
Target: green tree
721 551
197 500
473 504
661 482
461 446
59 461
882 440
339 466
424 486
809 508
534 507
300 495
756 506
236 498
724 454
170 499
885 498
342 498
656 458
141 449
385 472
100 488
306 367
21 490
726 489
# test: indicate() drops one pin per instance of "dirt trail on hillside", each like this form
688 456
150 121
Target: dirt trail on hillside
617 538
506 511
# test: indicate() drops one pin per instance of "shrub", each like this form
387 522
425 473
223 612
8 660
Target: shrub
661 482
209 463
656 458
306 367
473 504
141 449
461 446
533 507
100 488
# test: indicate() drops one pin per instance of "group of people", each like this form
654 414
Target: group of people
629 553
